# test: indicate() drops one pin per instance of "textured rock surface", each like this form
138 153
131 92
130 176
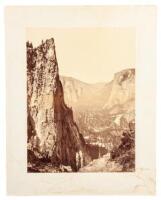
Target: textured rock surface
52 132
119 91
102 107
79 94
123 88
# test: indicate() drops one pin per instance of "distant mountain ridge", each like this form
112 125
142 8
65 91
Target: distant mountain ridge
119 91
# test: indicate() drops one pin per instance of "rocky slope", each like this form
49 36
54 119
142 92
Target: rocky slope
122 89
102 164
102 107
120 159
105 114
53 136
78 94
119 91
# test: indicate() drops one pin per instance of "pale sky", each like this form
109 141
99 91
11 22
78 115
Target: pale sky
89 54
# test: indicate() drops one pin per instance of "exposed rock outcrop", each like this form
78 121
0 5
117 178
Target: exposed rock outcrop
123 89
112 104
119 91
52 132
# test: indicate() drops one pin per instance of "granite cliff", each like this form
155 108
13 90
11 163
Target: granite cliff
106 95
53 135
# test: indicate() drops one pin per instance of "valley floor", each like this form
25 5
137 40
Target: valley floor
103 164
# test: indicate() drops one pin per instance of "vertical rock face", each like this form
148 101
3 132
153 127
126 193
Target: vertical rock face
52 132
123 88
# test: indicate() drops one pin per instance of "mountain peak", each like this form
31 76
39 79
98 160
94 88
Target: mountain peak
106 95
126 74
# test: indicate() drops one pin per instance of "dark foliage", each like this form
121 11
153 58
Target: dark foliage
125 153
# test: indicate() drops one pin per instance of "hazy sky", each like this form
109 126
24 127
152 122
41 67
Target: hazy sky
89 54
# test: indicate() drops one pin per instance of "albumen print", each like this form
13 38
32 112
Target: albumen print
77 125
80 96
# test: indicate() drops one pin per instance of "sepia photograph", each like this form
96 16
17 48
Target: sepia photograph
81 101
80 96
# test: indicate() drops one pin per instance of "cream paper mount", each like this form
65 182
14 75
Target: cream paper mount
142 21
